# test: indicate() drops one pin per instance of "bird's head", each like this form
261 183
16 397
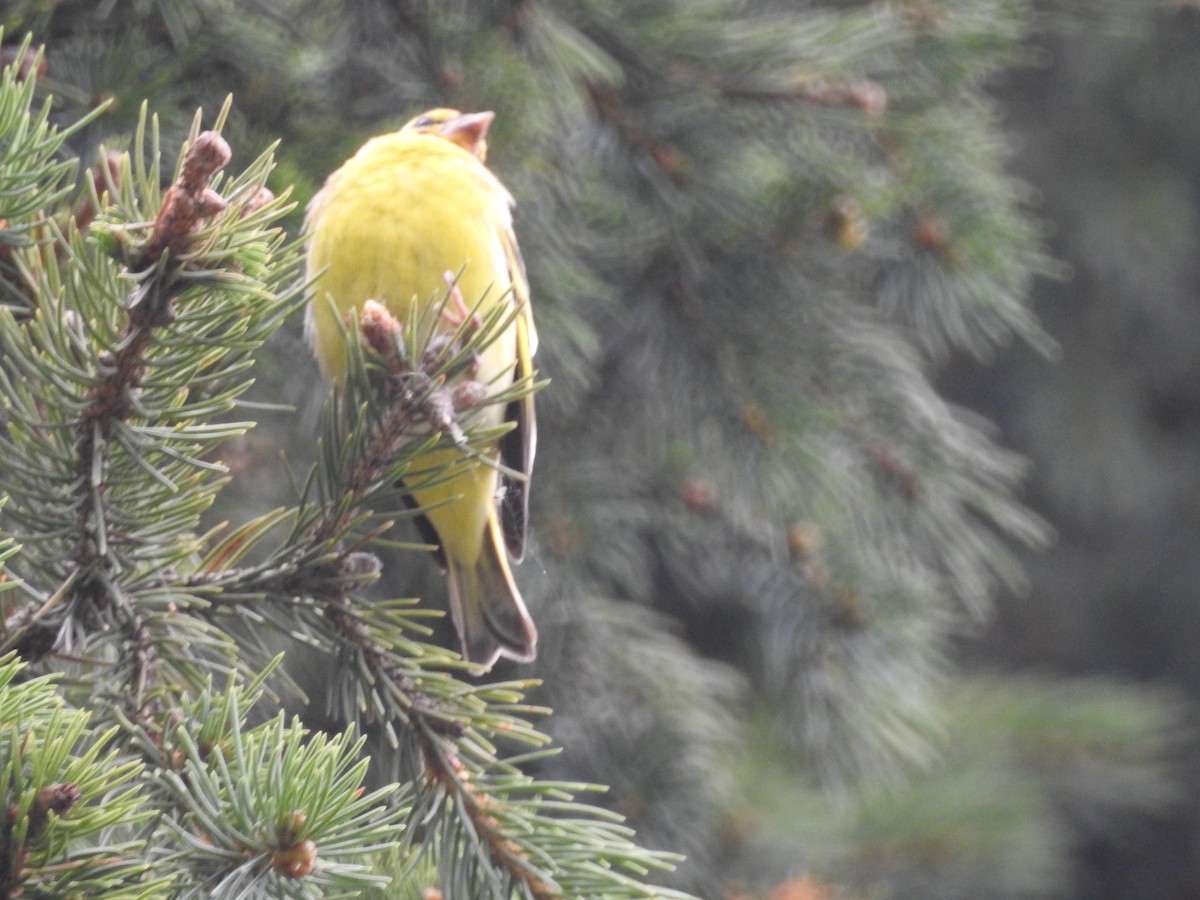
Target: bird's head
467 130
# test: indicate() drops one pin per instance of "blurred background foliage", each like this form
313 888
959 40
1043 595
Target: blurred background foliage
756 231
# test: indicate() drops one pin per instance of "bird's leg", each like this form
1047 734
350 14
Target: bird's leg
444 404
460 314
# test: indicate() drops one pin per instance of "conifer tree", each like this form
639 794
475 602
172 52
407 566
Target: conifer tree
753 232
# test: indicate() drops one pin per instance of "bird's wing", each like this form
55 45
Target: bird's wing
518 446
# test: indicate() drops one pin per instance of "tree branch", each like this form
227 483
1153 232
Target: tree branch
112 400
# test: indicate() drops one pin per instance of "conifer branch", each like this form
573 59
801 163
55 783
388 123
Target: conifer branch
112 399
395 391
409 392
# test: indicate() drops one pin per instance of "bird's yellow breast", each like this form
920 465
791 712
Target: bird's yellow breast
388 225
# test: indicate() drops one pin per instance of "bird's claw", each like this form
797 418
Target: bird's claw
461 313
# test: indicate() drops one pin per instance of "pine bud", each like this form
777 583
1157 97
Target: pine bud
297 861
209 203
208 155
189 200
261 198
362 564
804 539
754 417
55 798
845 223
932 233
362 568
379 329
468 395
25 62
671 161
863 94
698 495
867 95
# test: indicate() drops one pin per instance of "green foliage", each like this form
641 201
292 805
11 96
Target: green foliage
33 174
1024 762
32 179
753 231
71 803
108 428
251 808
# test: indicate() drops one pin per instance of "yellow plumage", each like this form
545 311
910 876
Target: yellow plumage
388 226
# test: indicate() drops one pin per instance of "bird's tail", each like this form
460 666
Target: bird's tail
488 611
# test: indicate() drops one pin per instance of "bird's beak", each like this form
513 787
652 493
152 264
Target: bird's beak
469 131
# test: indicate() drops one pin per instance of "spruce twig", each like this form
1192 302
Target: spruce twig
186 206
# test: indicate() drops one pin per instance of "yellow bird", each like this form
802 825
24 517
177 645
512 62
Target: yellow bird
408 210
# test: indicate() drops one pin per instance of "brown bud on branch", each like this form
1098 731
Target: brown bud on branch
189 201
55 798
863 94
29 63
380 330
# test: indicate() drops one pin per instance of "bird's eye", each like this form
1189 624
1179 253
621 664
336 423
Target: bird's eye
424 122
